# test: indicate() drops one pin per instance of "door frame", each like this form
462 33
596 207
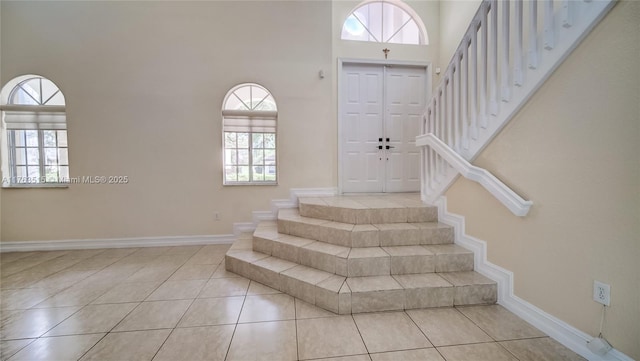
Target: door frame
341 81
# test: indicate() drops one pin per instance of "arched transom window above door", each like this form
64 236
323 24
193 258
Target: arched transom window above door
385 22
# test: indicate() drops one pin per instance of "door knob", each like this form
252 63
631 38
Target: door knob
379 147
390 146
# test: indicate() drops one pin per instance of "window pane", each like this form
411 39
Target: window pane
19 138
230 157
243 140
244 94
52 174
62 138
49 138
34 173
21 157
64 173
243 157
243 174
270 157
57 99
270 174
63 156
230 140
49 90
257 140
33 156
32 137
50 156
21 96
230 174
258 173
269 140
21 173
258 156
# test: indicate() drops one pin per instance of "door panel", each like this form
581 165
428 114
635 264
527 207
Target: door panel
381 102
405 95
362 115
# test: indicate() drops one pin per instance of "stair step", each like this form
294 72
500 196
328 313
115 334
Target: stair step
291 222
367 261
369 210
347 295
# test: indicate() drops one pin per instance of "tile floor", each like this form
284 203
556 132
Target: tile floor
179 303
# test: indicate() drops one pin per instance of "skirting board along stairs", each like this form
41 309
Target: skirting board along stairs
353 254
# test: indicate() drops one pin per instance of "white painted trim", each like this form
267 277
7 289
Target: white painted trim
510 199
557 329
277 204
56 245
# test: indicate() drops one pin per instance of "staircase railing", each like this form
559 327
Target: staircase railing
510 48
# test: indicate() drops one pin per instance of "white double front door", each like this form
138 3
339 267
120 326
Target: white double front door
381 107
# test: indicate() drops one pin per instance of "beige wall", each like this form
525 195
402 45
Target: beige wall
455 17
144 84
573 150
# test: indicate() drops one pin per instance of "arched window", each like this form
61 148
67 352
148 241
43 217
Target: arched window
34 119
249 117
385 22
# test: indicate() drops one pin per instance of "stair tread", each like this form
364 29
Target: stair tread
358 252
363 283
293 214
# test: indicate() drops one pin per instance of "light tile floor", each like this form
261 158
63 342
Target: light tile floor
179 303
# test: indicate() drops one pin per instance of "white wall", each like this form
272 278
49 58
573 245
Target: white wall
573 150
144 84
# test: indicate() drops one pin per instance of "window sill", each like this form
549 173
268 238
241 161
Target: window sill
250 184
26 186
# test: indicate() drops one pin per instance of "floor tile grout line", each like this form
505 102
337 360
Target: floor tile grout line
422 331
295 316
457 308
226 355
360 333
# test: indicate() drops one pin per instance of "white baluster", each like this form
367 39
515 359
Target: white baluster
441 132
464 88
504 65
533 34
517 54
449 111
456 105
473 68
484 68
549 31
493 85
567 13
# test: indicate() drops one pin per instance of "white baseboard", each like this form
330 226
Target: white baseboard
258 216
277 204
557 329
75 244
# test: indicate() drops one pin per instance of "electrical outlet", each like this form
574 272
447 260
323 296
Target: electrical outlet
601 293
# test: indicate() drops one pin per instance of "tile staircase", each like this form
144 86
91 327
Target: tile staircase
353 254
